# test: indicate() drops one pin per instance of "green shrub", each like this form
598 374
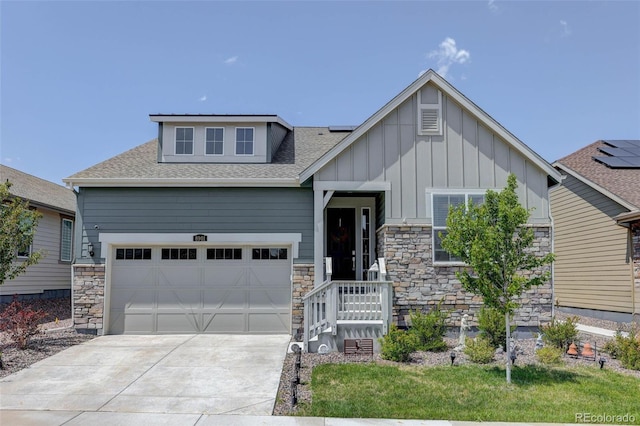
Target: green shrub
397 345
611 347
560 334
550 355
430 328
628 349
479 350
491 324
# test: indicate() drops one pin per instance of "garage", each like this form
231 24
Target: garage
199 289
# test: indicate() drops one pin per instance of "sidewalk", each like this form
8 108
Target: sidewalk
74 418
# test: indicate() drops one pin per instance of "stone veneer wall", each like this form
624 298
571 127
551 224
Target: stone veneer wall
302 284
88 298
419 285
635 235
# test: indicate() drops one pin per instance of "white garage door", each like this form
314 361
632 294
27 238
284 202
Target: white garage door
174 289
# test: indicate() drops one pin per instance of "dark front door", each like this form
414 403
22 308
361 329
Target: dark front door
341 246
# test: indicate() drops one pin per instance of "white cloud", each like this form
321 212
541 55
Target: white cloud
566 31
492 5
231 60
448 54
202 98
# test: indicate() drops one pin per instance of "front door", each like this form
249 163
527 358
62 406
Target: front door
341 242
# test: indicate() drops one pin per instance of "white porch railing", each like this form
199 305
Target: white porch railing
334 301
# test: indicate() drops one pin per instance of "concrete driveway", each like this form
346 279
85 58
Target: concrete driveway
181 374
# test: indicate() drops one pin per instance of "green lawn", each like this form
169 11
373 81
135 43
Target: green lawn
471 392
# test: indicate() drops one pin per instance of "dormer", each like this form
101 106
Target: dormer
214 138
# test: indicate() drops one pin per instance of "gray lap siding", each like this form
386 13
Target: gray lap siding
197 210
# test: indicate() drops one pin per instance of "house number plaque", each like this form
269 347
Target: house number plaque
199 237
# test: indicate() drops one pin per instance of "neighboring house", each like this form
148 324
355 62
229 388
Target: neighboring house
51 277
596 213
223 223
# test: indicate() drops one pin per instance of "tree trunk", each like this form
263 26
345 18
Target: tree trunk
508 352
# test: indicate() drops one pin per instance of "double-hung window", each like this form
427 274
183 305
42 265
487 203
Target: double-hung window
244 141
441 204
214 141
184 140
66 240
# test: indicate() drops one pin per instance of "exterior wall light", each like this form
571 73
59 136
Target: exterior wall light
90 248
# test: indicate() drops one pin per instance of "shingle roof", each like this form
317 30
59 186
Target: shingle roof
38 190
298 150
624 183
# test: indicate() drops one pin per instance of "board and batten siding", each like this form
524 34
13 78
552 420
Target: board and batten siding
197 210
466 156
49 273
592 266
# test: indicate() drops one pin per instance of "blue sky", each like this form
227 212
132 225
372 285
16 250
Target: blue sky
79 79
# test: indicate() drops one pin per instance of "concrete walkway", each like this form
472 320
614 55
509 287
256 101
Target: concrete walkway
598 331
150 375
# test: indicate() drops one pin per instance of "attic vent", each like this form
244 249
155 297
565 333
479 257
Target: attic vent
429 121
429 111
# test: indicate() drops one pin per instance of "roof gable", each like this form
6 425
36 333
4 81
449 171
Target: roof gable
619 184
38 191
449 90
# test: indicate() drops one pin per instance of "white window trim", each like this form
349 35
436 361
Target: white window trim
175 140
235 142
435 107
64 219
205 142
435 228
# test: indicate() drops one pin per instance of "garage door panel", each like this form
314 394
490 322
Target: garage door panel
225 298
226 323
240 294
178 322
179 299
139 323
268 322
174 276
125 298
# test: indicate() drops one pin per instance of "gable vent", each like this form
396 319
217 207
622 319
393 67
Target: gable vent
429 122
429 111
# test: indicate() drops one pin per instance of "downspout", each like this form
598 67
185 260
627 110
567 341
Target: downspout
552 235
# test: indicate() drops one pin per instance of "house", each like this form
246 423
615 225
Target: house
51 277
596 212
246 224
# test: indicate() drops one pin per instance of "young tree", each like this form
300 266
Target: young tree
494 240
17 226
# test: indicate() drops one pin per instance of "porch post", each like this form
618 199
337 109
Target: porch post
318 236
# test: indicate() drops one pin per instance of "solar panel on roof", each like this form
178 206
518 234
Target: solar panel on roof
621 154
614 162
623 143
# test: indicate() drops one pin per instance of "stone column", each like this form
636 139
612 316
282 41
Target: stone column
302 284
635 241
88 298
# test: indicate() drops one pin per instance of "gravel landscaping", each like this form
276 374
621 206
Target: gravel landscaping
57 334
525 349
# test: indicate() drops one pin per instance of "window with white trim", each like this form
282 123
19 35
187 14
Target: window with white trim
66 240
272 253
184 140
137 253
244 140
26 222
214 141
179 253
227 253
440 205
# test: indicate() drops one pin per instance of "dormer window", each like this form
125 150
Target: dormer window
244 140
184 140
214 143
